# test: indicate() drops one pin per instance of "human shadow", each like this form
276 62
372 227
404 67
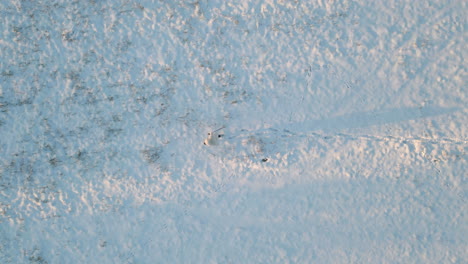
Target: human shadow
370 118
267 141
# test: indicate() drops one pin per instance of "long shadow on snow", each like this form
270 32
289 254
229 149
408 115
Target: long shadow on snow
367 119
272 140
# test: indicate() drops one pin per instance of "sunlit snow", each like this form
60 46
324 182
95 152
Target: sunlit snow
342 131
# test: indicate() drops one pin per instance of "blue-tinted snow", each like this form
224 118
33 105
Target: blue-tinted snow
344 140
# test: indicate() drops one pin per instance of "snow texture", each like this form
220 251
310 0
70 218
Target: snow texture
345 132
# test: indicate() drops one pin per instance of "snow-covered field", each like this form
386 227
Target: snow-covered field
345 132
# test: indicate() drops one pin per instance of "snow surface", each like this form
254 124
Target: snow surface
345 139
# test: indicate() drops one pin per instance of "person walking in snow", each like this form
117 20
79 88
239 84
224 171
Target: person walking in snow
213 137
